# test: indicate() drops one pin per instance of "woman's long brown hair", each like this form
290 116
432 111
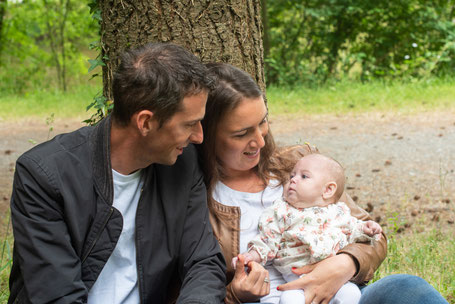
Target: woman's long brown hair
232 85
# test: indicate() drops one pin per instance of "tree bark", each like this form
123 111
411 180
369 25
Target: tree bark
222 30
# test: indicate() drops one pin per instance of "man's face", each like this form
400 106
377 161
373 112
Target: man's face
165 144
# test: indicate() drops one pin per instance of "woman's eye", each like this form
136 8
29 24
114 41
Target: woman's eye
241 134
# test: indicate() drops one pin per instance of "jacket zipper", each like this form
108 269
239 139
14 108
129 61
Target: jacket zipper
98 235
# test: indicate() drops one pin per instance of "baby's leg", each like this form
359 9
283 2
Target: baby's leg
295 296
276 279
349 293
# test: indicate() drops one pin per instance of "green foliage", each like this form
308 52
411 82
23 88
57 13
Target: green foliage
312 41
100 103
45 39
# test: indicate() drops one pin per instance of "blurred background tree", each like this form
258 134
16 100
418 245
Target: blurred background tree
44 44
312 41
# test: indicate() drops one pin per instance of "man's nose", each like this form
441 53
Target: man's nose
197 135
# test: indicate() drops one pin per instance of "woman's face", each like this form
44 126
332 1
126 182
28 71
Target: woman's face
240 136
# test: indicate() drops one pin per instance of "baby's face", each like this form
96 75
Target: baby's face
307 183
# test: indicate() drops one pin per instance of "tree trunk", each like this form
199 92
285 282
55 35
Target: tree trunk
223 30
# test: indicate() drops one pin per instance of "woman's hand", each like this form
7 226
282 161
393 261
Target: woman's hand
322 280
252 285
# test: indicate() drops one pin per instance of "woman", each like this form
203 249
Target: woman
244 174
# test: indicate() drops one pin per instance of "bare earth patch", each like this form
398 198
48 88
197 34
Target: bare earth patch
398 166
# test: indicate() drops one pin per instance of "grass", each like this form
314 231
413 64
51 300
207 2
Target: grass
42 103
341 97
348 96
429 255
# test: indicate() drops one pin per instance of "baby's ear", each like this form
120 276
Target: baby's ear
329 190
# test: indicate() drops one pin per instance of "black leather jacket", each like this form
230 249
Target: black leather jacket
65 227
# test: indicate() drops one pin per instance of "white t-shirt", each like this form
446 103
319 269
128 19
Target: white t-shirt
251 206
117 282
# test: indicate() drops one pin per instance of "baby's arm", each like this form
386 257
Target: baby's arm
357 230
371 228
250 256
265 245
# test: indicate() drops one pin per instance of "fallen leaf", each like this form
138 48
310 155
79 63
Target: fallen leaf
416 197
375 170
387 163
358 175
369 207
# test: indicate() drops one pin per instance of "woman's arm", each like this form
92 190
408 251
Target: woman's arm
367 257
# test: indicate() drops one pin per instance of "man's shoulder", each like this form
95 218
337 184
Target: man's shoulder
58 146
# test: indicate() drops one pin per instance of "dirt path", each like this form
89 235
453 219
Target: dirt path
397 165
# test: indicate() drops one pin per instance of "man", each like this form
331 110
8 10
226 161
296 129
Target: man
113 213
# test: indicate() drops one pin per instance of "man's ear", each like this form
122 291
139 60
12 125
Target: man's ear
329 190
145 122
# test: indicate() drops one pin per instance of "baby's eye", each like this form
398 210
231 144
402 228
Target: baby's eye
291 176
304 176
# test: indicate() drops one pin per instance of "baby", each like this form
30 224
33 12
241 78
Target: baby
309 225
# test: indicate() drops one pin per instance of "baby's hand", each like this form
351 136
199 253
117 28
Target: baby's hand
250 256
372 228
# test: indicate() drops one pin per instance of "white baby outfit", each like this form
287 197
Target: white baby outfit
293 237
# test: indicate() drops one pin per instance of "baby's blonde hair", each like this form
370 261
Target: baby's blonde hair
334 172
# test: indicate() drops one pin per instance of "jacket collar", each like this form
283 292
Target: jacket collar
100 145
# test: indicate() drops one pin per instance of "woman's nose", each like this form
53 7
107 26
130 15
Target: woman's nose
259 138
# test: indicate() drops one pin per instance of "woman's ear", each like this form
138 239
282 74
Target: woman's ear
145 122
329 190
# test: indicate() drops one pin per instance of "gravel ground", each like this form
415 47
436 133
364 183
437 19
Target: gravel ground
400 166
